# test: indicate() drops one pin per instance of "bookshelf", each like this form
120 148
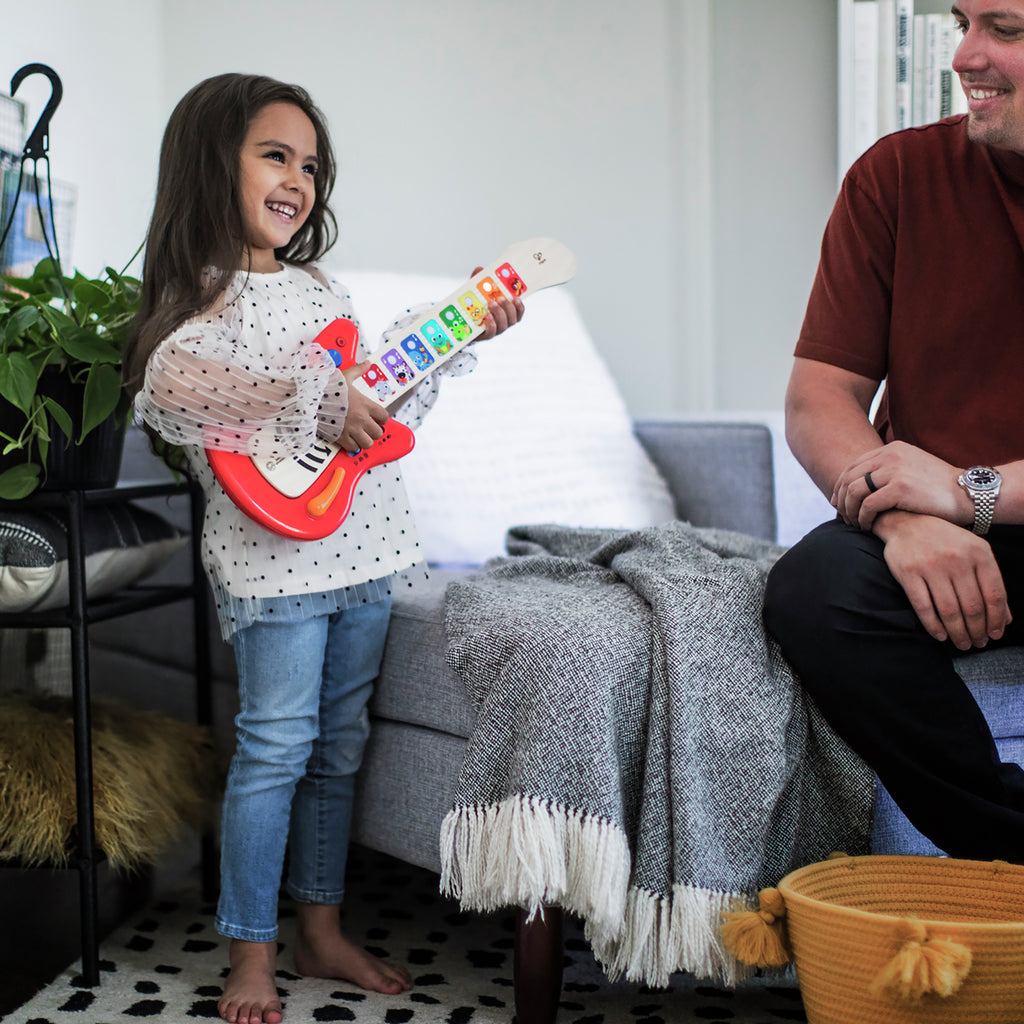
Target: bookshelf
895 70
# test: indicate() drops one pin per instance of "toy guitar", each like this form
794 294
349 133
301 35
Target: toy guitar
308 496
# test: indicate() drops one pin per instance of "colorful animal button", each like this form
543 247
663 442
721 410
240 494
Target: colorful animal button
487 287
511 280
456 323
438 339
378 383
475 309
399 369
417 351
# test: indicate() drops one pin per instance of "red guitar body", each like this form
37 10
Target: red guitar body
317 510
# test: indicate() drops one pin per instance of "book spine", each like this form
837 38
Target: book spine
845 152
947 47
904 58
918 60
886 66
951 40
932 77
865 76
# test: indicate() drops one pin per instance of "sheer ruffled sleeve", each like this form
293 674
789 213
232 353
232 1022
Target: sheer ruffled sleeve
204 387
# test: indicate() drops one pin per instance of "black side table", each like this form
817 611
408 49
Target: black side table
82 611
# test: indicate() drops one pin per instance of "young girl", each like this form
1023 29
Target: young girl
222 356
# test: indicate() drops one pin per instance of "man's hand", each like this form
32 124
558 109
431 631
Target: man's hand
949 575
501 314
905 477
365 419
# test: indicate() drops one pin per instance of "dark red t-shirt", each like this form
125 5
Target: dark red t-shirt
921 283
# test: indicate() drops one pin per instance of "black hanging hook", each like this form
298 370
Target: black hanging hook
39 139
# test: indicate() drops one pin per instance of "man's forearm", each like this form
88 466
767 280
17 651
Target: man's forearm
827 425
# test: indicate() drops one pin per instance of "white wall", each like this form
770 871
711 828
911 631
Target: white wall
774 114
463 126
685 149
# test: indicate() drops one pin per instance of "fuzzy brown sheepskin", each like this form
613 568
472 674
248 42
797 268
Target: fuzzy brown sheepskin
152 775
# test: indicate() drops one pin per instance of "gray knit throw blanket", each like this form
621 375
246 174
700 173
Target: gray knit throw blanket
643 756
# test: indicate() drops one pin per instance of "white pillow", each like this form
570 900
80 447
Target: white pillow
123 543
537 433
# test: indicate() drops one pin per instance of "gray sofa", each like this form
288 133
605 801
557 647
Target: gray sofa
720 474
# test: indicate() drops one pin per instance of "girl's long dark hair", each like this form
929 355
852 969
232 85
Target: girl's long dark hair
197 218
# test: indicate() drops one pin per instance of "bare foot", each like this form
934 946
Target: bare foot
322 951
250 995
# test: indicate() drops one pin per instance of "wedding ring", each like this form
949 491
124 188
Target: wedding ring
872 486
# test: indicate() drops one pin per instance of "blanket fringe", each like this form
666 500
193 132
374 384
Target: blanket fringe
662 935
527 851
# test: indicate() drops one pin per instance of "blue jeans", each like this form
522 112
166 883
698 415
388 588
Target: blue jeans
301 730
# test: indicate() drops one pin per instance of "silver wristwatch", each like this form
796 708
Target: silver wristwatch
982 483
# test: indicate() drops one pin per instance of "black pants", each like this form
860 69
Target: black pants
889 689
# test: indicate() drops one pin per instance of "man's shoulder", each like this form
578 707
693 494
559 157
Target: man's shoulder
924 142
931 155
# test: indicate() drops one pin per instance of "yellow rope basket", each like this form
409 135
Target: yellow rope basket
895 940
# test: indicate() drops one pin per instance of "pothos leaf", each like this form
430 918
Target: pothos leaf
60 416
18 381
19 481
87 347
102 392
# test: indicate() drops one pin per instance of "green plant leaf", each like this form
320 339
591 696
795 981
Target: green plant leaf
58 320
39 285
102 393
43 447
60 416
19 481
18 379
76 326
89 293
87 347
43 283
20 324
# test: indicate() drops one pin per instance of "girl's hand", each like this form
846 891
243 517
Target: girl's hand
501 314
365 420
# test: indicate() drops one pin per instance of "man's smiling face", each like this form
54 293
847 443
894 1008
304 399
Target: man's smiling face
990 63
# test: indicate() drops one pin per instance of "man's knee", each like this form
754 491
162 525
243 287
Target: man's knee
823 586
797 591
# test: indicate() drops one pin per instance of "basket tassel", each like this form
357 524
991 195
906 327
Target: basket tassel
923 966
758 937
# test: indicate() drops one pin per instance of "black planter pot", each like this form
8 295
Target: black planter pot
95 463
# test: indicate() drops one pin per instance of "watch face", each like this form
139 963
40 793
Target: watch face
982 477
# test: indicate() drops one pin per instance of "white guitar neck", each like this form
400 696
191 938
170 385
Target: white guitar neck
450 325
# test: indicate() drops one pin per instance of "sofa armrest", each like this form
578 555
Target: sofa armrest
720 474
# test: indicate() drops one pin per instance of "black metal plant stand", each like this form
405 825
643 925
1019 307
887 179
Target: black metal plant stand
79 614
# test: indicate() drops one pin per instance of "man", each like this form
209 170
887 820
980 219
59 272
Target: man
920 284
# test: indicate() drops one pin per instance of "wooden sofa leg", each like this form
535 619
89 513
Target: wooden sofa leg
537 968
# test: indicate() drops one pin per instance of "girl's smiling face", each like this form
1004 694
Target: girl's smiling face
277 167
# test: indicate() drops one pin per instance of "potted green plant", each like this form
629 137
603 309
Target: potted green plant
61 346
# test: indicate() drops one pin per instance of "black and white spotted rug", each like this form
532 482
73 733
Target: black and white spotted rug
167 963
